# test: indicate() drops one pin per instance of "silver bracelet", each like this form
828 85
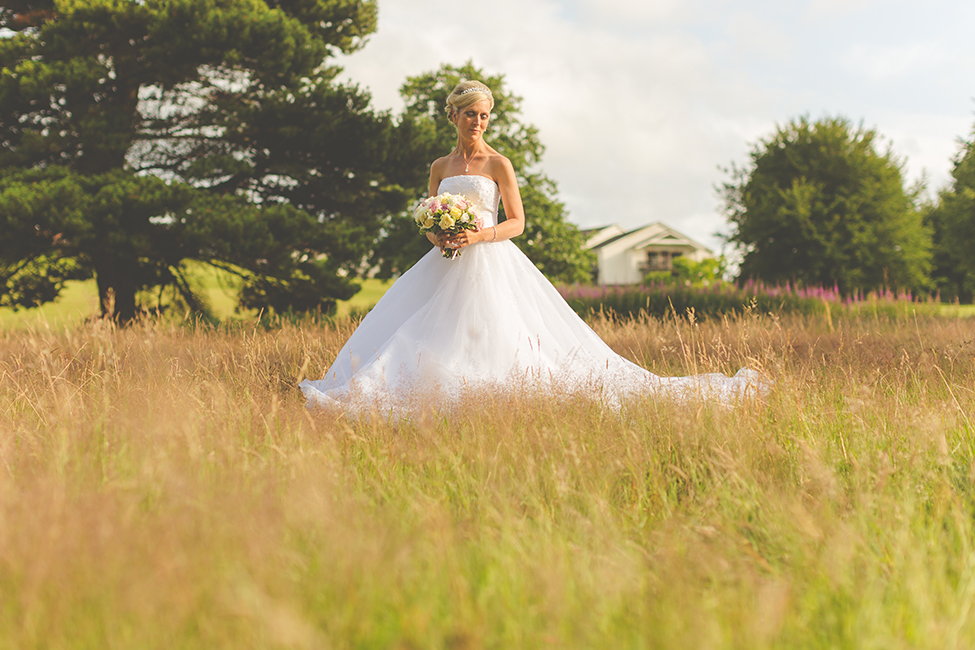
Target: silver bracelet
495 233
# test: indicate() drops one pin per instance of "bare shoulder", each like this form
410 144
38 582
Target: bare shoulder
499 167
437 172
437 168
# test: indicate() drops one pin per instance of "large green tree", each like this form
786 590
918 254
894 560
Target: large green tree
138 134
424 133
819 205
952 220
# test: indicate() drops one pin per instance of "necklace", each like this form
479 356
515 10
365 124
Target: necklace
467 163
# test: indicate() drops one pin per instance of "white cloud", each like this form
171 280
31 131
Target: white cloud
886 62
820 9
756 35
927 142
642 12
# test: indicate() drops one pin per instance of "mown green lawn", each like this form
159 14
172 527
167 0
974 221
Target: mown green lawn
79 301
961 311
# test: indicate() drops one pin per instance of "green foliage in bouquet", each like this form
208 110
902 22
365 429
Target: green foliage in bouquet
446 213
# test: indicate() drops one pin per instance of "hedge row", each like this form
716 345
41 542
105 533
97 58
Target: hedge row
719 299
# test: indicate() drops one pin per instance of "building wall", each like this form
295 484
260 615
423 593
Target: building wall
624 260
628 266
619 267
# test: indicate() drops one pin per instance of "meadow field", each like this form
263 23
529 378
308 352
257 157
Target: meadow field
163 486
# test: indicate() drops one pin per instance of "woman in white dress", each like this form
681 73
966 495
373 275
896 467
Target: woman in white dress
487 319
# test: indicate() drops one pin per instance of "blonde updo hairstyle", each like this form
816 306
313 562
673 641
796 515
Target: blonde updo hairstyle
466 93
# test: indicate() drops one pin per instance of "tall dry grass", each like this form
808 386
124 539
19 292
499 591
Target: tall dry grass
162 486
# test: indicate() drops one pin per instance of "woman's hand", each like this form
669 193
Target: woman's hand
436 240
463 238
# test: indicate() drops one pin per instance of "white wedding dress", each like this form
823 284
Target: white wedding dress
488 320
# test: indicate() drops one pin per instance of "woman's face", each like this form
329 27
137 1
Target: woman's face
472 121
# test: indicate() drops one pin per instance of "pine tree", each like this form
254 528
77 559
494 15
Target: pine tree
136 135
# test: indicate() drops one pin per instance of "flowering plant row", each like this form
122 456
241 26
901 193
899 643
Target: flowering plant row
662 299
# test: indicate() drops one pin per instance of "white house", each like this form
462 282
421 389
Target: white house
625 257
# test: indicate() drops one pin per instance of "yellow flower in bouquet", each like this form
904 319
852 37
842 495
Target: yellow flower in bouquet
446 214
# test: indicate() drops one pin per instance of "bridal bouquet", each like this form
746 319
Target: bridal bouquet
446 213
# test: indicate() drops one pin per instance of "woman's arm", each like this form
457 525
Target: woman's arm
514 212
436 175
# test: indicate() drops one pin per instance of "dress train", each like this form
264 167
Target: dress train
489 320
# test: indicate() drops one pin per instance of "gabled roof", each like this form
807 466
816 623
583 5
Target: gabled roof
654 234
595 237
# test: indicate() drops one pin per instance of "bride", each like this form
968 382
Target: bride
487 318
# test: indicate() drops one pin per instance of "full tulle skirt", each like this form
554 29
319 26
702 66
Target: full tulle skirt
489 320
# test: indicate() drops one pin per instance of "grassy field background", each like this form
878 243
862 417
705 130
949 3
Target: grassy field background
163 486
79 301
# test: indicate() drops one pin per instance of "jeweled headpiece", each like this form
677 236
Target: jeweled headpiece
475 89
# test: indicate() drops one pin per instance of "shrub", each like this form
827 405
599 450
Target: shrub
673 298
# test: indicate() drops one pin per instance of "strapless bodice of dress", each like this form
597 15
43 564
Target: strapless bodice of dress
479 190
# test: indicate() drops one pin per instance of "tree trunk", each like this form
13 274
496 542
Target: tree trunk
116 289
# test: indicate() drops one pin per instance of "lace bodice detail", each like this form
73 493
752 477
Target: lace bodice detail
480 190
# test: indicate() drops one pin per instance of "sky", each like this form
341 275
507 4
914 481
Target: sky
643 104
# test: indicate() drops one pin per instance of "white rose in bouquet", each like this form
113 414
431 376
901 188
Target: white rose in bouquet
446 214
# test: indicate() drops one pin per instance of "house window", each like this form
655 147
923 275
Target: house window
661 260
